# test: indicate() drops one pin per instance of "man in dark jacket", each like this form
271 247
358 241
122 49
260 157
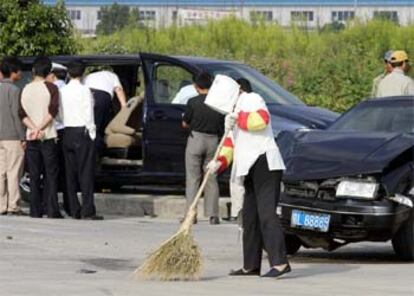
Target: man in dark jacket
206 127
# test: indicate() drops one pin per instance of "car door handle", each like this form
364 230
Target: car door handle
159 114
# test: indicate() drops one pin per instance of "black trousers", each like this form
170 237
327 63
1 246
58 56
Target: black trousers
79 154
103 114
62 178
42 160
261 225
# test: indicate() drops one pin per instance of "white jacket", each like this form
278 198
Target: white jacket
248 146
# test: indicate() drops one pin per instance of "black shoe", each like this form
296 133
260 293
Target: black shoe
274 273
17 213
94 217
59 216
214 220
3 213
36 216
66 211
242 272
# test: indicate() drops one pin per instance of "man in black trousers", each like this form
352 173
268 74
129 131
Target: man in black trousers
39 107
58 77
79 143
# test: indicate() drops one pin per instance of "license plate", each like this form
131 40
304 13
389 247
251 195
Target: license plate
313 221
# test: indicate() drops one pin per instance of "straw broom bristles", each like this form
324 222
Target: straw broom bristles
179 257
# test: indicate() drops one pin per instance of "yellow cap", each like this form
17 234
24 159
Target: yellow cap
399 56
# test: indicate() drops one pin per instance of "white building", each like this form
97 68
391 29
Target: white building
311 13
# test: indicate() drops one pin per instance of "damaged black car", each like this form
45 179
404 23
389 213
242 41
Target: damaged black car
353 181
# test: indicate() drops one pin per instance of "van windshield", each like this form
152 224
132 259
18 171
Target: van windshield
271 92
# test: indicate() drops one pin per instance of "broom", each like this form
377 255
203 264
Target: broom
179 257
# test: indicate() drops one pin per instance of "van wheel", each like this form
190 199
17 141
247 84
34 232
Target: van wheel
293 244
403 240
24 186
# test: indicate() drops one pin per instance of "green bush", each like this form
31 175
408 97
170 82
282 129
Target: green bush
35 29
328 68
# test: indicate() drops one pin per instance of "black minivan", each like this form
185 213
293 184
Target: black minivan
157 158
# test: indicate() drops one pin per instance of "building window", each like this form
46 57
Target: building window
74 14
145 15
306 16
261 16
342 16
386 15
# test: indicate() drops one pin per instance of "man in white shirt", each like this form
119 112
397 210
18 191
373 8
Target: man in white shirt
184 94
79 142
104 85
397 83
58 77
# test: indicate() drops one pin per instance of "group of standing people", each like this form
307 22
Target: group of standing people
257 164
51 120
50 127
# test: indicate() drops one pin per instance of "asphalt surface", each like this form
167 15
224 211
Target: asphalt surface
74 257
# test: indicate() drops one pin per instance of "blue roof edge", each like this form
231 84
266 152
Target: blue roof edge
245 3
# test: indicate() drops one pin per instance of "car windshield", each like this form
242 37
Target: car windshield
269 90
378 116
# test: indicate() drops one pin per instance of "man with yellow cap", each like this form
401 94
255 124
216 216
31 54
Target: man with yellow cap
397 83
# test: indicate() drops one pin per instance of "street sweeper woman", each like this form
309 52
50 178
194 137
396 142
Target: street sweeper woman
258 165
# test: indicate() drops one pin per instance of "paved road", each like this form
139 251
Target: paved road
53 257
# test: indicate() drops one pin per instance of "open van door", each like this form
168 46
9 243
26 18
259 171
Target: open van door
164 139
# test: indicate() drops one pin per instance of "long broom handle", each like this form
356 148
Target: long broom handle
188 221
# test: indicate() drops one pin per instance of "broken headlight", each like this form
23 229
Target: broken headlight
357 189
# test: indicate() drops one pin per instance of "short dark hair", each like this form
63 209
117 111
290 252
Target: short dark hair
42 66
398 64
76 69
10 65
244 85
60 73
203 80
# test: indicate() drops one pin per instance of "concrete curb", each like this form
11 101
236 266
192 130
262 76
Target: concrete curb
139 205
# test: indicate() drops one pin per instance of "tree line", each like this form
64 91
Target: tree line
332 67
328 68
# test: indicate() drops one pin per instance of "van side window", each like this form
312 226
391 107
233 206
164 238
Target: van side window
172 85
